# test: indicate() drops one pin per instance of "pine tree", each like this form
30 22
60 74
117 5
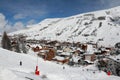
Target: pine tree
22 44
24 48
6 43
17 48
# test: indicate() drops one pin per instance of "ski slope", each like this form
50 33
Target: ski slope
11 70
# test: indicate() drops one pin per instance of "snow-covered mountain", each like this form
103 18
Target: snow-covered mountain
101 26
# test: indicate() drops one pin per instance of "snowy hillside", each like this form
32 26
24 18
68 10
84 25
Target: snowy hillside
102 27
11 70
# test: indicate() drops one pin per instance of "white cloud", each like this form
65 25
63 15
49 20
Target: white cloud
31 22
29 12
14 27
110 3
19 16
3 21
113 3
18 26
8 26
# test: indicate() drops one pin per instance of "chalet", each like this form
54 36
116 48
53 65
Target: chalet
58 46
77 52
16 46
84 47
42 53
13 45
50 54
65 54
89 57
98 52
66 44
67 49
78 44
60 59
47 47
51 43
36 48
47 53
105 51
42 41
75 58
58 52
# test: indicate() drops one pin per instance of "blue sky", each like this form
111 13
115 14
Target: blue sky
33 11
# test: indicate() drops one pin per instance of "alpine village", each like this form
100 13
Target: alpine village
77 44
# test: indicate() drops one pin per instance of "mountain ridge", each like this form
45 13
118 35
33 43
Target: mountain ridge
100 27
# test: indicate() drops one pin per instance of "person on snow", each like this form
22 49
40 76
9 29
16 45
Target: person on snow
20 63
63 67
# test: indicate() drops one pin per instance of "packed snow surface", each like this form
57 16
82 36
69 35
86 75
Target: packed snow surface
11 70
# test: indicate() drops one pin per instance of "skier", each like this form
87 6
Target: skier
93 72
20 63
108 73
63 67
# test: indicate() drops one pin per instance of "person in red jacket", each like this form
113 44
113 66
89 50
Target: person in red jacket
109 73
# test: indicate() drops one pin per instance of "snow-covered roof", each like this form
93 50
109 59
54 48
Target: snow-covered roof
43 51
60 51
35 45
59 58
89 61
66 53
